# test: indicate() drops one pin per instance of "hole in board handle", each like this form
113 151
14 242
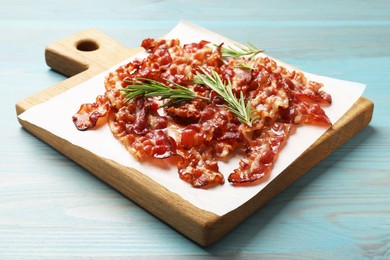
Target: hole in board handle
87 45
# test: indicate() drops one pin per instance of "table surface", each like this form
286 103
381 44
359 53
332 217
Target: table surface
52 208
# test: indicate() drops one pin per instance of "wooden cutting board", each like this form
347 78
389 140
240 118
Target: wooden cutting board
90 52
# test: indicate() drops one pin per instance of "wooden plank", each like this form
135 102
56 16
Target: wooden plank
90 52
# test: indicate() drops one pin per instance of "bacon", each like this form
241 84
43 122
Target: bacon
89 113
194 47
200 132
261 154
149 44
321 98
186 113
304 113
158 144
142 141
199 167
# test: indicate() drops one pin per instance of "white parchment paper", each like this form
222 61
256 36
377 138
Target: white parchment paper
56 114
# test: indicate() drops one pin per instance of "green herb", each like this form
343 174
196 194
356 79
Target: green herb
151 88
237 106
239 50
244 66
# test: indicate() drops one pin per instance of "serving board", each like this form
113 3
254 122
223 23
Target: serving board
88 53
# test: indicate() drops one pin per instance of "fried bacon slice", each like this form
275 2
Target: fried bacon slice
142 131
89 113
261 154
199 167
304 113
200 132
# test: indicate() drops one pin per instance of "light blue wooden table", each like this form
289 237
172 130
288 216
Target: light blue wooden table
52 208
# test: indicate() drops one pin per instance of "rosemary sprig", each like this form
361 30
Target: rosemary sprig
237 106
151 88
239 50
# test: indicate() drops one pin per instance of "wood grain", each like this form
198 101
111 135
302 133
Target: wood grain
87 53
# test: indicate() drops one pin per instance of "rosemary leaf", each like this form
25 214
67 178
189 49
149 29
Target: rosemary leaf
239 50
244 66
237 106
151 88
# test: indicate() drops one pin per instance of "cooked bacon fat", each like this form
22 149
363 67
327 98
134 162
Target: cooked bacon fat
201 132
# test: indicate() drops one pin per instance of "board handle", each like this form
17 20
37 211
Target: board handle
84 50
80 57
